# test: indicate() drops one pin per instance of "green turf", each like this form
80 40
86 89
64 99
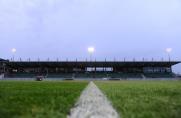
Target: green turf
144 99
20 99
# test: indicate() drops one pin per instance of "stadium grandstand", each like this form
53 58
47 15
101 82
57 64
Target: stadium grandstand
87 69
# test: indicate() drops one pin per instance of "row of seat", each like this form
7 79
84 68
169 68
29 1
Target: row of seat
93 75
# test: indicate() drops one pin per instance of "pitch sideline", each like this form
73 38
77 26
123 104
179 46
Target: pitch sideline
93 104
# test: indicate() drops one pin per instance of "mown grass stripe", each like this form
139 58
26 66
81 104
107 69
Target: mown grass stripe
144 99
38 99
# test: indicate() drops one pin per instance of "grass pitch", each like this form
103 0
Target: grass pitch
38 99
132 99
144 99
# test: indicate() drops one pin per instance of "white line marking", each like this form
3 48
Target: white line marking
93 104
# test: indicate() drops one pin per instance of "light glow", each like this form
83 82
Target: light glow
169 50
91 49
13 50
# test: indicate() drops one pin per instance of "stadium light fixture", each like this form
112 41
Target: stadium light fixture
169 50
13 50
91 50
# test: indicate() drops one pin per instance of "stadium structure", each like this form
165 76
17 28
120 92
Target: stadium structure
87 69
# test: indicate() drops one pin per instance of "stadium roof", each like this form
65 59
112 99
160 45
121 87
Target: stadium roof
93 64
2 59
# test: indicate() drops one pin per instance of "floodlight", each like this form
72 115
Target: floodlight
91 49
13 50
169 50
